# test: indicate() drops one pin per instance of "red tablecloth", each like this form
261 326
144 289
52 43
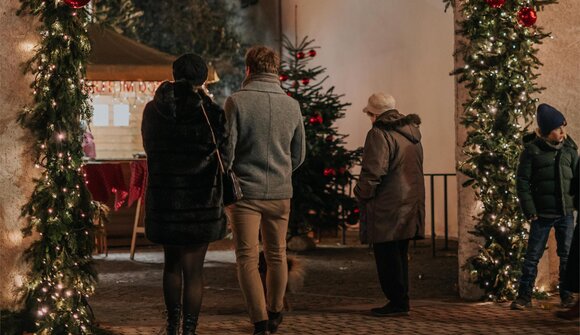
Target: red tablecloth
104 179
138 183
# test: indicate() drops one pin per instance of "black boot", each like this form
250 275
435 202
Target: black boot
189 324
173 320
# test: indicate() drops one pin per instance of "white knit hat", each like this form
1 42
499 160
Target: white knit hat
379 103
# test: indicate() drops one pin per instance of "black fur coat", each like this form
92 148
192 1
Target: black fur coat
184 192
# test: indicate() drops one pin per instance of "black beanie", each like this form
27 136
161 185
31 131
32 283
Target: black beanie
190 67
549 118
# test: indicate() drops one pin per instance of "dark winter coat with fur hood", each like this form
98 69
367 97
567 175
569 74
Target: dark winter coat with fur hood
184 191
391 188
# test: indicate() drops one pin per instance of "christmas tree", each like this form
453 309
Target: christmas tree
499 72
320 200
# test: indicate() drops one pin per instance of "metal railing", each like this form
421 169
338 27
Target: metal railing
348 190
445 207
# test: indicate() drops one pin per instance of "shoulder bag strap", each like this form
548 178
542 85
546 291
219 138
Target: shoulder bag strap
217 150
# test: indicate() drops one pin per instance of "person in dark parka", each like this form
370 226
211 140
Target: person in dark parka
543 182
184 209
391 193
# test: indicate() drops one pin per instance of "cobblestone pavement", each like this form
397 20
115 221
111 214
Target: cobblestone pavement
427 317
339 290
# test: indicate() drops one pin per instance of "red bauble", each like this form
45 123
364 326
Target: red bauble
316 119
305 81
312 52
527 16
495 3
300 55
329 138
76 3
289 94
283 77
329 172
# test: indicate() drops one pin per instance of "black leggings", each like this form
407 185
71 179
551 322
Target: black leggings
184 264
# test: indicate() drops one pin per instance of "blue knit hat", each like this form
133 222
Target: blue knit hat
549 118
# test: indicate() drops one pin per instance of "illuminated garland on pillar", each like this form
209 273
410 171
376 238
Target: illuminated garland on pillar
499 72
60 209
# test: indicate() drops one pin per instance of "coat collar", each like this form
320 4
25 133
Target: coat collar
392 119
533 138
263 82
406 125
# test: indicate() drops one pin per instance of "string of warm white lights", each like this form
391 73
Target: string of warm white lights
60 209
500 73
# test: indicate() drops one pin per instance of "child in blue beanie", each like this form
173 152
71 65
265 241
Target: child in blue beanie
544 180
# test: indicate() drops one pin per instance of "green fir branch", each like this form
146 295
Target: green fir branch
60 209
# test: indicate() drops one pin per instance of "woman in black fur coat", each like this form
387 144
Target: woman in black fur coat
183 209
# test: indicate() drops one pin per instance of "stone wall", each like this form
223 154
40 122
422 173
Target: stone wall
17 170
560 75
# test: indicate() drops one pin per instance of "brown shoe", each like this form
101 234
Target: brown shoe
570 314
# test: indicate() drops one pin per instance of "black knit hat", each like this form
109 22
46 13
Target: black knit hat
190 67
549 118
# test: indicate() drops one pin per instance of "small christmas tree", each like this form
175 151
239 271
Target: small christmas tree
320 200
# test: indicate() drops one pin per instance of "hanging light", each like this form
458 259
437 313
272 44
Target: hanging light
212 76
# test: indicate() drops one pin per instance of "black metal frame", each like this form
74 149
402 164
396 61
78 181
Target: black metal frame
343 216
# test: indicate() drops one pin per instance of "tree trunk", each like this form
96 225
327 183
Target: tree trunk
16 156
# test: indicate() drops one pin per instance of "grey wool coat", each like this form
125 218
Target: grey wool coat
391 188
183 203
267 139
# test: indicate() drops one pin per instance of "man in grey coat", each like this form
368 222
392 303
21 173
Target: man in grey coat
391 192
267 145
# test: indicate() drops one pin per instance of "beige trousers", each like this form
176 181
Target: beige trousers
248 218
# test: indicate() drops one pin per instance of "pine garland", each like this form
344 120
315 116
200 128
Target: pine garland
60 209
500 73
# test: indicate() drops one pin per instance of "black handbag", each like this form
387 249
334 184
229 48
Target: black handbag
232 190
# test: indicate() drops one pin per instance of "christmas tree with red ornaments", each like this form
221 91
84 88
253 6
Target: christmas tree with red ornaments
321 185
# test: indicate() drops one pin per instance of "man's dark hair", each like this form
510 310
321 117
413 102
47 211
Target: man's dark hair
261 59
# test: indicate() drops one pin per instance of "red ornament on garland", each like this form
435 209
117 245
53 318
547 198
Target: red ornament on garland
329 138
312 52
329 172
300 55
76 4
283 77
527 16
305 81
495 3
